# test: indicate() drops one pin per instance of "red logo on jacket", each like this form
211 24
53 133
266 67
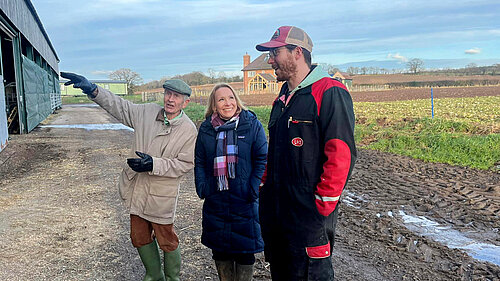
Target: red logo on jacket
298 142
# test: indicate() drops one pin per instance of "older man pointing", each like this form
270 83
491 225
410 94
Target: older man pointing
164 142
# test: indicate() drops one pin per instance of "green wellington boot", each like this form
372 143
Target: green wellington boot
172 264
150 257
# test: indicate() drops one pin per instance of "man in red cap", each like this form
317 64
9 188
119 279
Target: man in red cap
310 159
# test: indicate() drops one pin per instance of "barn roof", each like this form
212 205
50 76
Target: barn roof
23 16
62 80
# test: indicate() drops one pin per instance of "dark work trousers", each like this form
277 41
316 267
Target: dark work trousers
239 258
289 260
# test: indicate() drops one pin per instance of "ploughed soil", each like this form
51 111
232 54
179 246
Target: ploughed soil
61 217
380 79
389 95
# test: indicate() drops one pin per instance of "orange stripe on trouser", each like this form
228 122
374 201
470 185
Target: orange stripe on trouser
143 231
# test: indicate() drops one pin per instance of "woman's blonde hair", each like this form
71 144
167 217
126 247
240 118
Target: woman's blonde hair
211 99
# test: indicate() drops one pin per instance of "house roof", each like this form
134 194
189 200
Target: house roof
260 63
346 75
342 75
268 77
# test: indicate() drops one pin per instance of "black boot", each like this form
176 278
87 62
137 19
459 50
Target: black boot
225 269
243 272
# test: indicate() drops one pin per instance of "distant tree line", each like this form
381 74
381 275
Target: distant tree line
354 70
441 83
416 66
470 69
195 78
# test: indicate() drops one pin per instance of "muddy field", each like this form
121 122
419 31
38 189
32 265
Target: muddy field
400 219
391 95
379 79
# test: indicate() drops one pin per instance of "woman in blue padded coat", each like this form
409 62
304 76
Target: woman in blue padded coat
230 158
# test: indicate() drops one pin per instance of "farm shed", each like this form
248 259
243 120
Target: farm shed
29 89
116 86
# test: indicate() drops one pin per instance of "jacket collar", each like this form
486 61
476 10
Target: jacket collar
160 117
317 73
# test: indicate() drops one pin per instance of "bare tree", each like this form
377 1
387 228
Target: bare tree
415 65
132 78
212 74
331 69
353 70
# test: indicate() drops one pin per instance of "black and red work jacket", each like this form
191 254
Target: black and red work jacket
310 158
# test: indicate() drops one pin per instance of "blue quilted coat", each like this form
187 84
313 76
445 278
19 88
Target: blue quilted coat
231 217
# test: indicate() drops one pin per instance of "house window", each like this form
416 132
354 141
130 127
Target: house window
251 73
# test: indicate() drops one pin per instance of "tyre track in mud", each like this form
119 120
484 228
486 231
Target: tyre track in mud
461 196
371 231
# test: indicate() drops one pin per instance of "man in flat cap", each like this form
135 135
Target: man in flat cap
164 143
310 159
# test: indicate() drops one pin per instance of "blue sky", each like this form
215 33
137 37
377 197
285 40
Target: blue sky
159 38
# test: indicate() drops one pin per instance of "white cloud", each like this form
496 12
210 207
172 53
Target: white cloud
101 72
398 57
473 51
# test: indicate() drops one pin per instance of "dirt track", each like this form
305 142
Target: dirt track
61 217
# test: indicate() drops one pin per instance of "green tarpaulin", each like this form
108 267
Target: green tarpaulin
36 92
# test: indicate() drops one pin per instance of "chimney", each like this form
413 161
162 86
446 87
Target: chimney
246 60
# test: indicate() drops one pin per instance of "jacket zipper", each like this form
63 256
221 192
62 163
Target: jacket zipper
291 120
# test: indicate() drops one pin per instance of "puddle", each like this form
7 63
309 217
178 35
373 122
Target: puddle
81 105
452 238
352 199
89 127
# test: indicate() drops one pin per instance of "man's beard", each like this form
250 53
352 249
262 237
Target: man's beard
286 70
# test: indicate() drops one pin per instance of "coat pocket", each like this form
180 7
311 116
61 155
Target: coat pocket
162 199
303 138
319 264
319 252
127 179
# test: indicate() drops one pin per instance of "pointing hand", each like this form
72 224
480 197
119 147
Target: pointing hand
80 82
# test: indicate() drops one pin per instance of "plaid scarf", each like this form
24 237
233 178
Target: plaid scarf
226 154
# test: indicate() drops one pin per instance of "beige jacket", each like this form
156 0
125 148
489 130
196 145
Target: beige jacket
152 195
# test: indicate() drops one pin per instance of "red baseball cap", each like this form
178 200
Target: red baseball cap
287 35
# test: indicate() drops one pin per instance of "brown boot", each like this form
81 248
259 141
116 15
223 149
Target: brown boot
225 269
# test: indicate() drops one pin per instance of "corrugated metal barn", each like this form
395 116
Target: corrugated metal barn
29 81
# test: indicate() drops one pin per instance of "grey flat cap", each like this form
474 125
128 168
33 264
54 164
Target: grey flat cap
178 86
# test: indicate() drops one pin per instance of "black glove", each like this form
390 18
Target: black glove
81 82
143 164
